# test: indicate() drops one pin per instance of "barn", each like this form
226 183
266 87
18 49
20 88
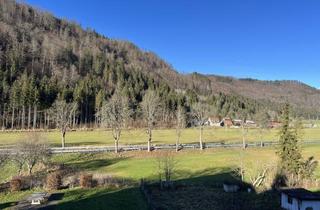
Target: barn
299 199
227 122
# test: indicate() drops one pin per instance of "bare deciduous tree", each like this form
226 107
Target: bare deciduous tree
254 171
200 112
150 105
180 124
115 114
30 151
62 113
244 115
166 165
308 168
257 173
262 118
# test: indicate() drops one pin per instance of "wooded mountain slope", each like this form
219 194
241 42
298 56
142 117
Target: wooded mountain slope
43 58
295 92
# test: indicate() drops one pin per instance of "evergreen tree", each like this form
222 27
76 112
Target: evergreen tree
289 151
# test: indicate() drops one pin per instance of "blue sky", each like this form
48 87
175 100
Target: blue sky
263 39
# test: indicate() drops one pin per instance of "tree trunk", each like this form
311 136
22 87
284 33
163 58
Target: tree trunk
12 118
86 112
200 139
4 117
23 116
45 120
149 140
29 116
74 120
116 146
29 170
96 122
34 117
149 147
18 126
63 139
40 120
48 121
243 138
177 142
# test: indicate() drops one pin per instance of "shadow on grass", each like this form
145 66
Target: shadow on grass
56 197
99 198
209 175
87 161
93 164
198 190
7 205
204 190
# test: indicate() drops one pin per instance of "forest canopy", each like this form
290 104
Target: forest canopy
44 59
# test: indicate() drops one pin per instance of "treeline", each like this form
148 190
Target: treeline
44 59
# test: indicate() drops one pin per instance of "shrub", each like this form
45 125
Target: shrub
86 180
16 184
54 181
71 181
107 180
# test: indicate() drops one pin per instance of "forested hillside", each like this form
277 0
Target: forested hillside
43 58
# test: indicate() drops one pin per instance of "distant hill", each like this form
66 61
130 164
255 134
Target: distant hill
295 92
43 57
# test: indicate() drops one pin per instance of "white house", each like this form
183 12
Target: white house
38 198
214 121
299 199
251 123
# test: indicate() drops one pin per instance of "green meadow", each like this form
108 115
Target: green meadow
207 166
160 136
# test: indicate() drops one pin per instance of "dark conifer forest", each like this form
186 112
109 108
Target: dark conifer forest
44 59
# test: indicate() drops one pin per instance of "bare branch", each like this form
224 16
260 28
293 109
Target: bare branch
30 151
115 115
62 113
150 106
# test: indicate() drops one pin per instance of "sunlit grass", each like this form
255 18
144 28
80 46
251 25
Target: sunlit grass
162 136
210 165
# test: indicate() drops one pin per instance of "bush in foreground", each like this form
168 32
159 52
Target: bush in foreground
86 180
15 184
54 181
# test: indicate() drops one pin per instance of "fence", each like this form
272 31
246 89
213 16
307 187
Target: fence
96 149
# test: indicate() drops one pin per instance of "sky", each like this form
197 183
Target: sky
261 39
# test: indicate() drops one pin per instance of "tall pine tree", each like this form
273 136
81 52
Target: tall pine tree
289 150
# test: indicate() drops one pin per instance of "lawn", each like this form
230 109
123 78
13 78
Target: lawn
162 136
189 163
208 166
94 199
188 197
102 198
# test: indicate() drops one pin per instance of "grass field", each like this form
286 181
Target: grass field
208 166
164 136
97 198
188 197
189 163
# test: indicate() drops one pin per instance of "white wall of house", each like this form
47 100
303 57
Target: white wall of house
297 204
315 205
289 206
